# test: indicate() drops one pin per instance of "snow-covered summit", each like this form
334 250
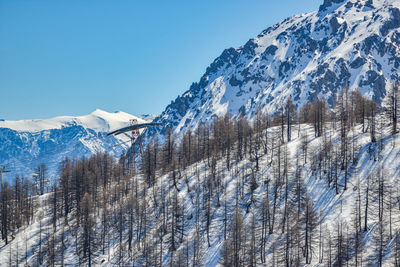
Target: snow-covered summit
26 143
98 120
148 117
354 43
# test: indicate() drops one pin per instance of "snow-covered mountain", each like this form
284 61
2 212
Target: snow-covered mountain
345 42
258 199
147 117
26 143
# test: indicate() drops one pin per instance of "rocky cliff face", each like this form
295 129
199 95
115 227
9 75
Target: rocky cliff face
354 43
329 3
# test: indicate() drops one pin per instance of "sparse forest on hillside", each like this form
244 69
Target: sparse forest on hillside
284 152
315 186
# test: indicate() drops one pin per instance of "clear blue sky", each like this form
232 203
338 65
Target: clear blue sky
71 57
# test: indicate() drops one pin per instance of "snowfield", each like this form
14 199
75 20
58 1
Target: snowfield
98 121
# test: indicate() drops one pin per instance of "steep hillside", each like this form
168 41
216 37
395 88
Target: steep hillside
354 43
25 144
316 188
292 197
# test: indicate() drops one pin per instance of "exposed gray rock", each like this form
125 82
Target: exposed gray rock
334 24
369 3
235 82
377 82
374 42
270 50
349 4
392 23
284 68
342 72
249 47
228 56
358 62
328 3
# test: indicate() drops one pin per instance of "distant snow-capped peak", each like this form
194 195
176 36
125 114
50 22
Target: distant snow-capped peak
98 121
26 143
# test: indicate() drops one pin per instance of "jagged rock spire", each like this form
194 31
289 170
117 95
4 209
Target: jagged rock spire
328 3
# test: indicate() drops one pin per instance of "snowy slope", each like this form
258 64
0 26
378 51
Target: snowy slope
98 121
331 207
26 143
306 56
346 42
